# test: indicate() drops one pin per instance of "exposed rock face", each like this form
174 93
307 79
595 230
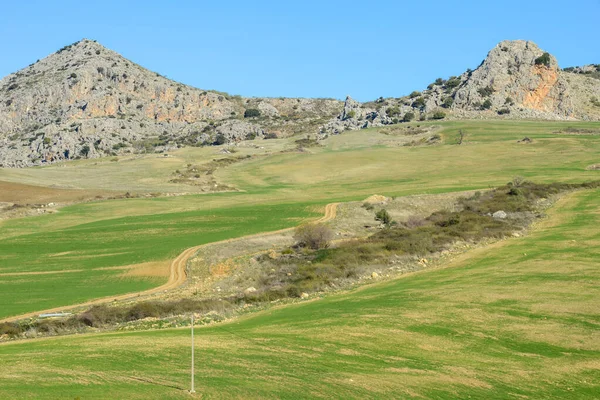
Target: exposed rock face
88 101
355 116
517 74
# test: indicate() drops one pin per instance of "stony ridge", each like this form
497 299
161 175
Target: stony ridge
517 80
86 101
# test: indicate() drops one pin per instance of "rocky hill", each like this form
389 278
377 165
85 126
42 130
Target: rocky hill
517 80
86 101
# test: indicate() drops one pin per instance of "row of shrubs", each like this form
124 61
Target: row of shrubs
102 315
316 267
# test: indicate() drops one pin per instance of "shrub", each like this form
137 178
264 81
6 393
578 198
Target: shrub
393 111
419 103
251 113
486 91
314 236
383 216
350 114
503 111
219 140
438 115
544 59
448 101
439 82
453 82
487 104
414 94
85 150
509 101
409 116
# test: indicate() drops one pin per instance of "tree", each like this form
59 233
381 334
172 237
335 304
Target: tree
409 116
544 59
384 217
439 115
487 104
315 236
461 136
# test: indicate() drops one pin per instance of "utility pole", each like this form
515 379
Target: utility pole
192 389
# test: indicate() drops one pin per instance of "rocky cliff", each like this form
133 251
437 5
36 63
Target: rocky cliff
88 101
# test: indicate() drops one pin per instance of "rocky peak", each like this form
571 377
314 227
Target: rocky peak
516 74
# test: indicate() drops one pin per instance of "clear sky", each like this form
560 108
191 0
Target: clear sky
301 48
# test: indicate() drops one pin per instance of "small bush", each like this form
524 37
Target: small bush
486 91
409 116
448 101
252 113
544 59
438 115
383 216
314 236
487 104
503 111
419 103
414 94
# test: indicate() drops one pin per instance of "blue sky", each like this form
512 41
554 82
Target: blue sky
305 48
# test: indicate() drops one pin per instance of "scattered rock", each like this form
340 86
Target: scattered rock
499 215
374 275
304 295
251 289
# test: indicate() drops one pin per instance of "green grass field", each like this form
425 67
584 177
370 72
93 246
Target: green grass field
74 260
278 190
515 320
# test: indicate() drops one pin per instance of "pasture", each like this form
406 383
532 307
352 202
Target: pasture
518 319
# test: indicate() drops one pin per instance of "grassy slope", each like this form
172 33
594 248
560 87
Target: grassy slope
516 320
83 251
350 167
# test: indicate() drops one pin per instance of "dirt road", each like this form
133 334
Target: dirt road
177 274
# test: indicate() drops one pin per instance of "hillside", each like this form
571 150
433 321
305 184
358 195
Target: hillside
86 101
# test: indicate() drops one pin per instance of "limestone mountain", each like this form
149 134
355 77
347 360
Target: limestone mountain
88 101
517 80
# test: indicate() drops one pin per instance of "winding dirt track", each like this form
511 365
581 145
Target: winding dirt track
177 275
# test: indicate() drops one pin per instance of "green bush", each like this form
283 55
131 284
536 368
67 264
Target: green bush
438 115
487 104
419 103
448 101
503 111
252 113
544 59
414 94
409 116
393 111
453 82
383 216
486 91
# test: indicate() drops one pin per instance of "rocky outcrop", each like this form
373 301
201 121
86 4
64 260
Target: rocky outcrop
517 75
517 80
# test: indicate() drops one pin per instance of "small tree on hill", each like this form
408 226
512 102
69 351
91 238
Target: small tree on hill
384 217
314 236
